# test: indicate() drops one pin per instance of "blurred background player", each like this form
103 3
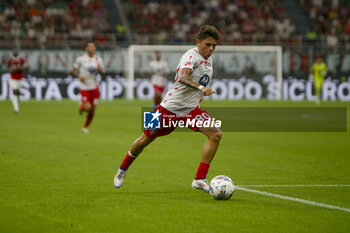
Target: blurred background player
159 69
86 68
318 72
16 65
193 75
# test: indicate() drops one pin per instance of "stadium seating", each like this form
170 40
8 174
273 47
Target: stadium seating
241 22
332 19
59 24
53 22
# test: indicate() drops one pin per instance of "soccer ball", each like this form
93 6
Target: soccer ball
221 187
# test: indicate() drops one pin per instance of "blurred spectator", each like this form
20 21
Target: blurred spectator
332 42
311 35
121 31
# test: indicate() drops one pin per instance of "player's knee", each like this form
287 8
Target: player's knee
87 107
140 144
143 141
146 140
216 136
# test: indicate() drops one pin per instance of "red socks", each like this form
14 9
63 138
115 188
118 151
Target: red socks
88 119
129 158
202 171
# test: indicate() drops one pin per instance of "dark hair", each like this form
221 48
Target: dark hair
318 56
208 31
88 42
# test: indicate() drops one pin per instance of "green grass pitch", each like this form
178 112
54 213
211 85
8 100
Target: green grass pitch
54 178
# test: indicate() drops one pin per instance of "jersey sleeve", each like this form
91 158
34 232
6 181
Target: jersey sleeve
25 63
77 63
166 67
100 62
188 61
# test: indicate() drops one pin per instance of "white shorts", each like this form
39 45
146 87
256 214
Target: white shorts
158 80
15 84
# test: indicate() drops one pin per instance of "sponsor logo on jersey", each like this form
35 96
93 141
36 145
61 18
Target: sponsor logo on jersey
92 69
204 80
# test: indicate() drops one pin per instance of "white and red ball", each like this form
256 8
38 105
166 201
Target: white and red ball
221 187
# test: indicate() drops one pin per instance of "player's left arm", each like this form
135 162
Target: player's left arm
100 66
185 78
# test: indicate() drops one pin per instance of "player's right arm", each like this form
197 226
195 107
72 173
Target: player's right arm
76 66
185 78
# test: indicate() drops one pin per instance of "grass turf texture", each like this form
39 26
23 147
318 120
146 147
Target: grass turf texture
54 178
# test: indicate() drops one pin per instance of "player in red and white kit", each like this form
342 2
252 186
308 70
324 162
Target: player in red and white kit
16 65
194 73
86 68
159 69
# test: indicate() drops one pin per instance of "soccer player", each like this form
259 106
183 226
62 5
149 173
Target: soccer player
318 72
86 68
194 73
158 69
16 65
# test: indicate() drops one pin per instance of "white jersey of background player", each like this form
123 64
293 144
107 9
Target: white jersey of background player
182 99
159 69
88 68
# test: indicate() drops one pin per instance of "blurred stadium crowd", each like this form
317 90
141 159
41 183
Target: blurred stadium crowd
330 18
240 22
49 22
34 21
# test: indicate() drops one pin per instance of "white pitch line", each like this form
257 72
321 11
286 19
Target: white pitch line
296 185
333 207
